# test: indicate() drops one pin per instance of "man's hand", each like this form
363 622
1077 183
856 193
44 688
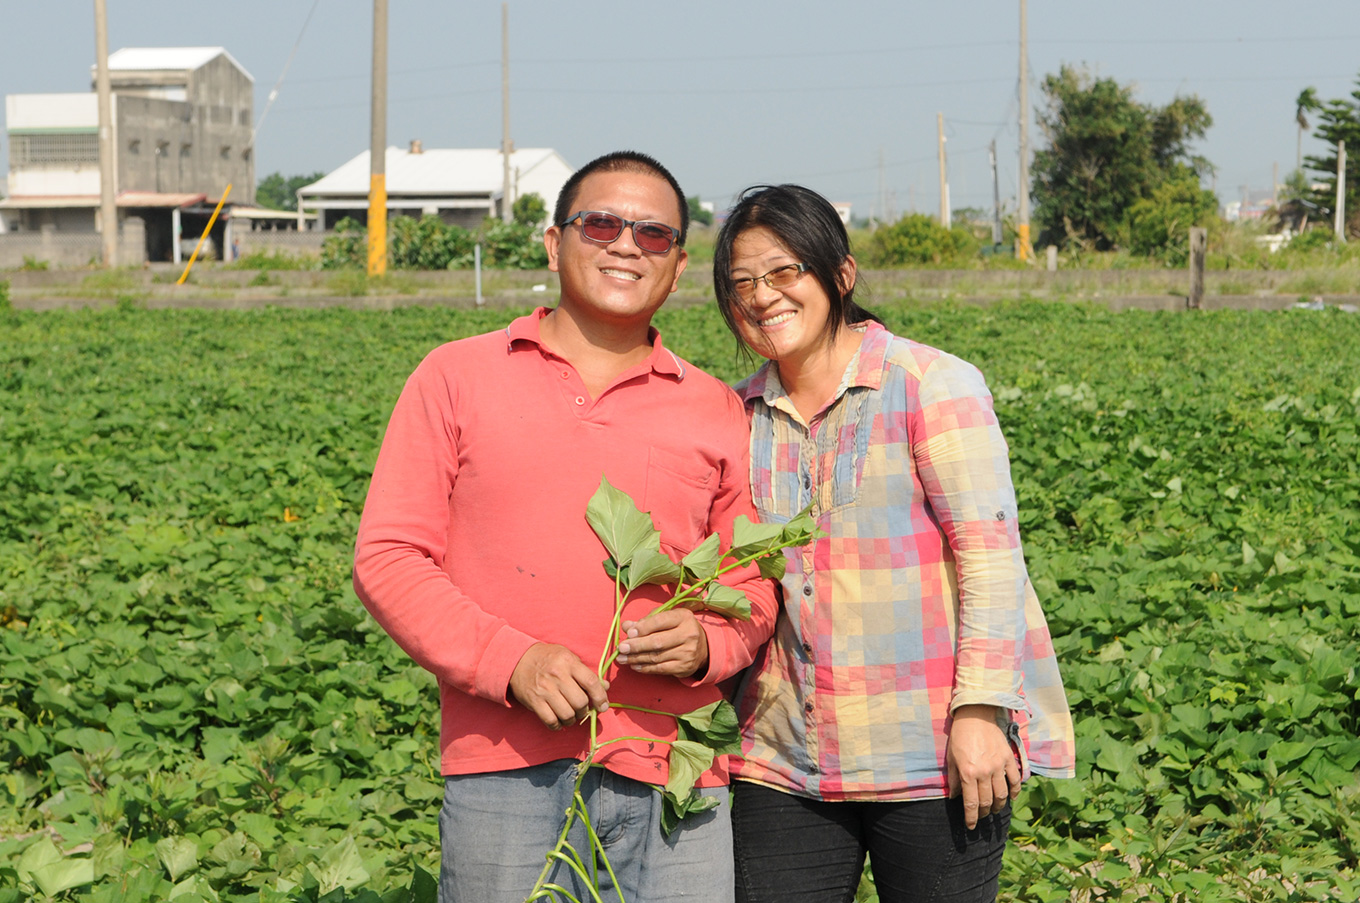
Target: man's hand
558 687
668 642
980 762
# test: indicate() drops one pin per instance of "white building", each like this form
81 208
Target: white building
460 186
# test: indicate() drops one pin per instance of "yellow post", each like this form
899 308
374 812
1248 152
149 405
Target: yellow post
1023 249
377 224
212 219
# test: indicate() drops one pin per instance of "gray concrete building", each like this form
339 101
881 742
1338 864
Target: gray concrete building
182 132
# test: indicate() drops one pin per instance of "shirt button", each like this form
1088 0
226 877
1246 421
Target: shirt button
580 399
807 589
566 374
812 769
807 481
807 649
807 707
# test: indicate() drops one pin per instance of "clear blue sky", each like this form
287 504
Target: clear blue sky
731 93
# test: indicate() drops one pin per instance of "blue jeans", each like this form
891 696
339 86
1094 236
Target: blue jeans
496 829
796 850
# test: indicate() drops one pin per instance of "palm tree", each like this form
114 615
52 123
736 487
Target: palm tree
1307 102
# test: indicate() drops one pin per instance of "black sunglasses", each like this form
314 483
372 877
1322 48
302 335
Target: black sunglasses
604 228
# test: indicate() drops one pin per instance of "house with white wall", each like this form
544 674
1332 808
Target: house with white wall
461 186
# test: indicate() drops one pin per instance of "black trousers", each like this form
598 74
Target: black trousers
796 850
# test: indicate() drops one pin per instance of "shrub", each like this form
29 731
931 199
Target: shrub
428 244
1159 226
917 239
347 247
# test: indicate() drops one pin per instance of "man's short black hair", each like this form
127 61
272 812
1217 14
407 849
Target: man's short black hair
620 161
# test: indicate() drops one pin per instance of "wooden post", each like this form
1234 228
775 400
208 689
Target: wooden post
1199 239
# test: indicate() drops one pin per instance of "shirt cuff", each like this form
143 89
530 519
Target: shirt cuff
498 662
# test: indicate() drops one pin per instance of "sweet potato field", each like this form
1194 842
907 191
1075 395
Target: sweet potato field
194 705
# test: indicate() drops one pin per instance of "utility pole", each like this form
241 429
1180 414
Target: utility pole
1275 184
108 209
944 178
377 143
507 146
1340 223
996 195
882 194
1023 249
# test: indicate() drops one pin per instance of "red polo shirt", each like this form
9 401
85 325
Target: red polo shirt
473 544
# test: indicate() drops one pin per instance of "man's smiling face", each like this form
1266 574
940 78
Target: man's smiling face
617 282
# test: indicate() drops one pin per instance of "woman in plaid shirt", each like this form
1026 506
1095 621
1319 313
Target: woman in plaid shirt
911 685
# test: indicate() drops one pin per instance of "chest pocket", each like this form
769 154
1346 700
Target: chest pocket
679 496
792 468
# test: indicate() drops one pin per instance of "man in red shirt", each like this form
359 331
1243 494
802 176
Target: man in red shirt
474 554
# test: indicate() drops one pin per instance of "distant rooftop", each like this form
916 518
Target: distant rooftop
441 170
140 59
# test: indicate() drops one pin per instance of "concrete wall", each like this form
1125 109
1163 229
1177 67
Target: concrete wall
71 249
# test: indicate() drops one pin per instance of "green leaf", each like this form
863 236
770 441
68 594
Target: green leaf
747 534
772 567
619 524
55 877
727 601
688 760
341 866
714 725
40 854
651 566
178 854
703 562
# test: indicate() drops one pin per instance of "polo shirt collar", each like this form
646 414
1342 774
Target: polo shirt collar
662 360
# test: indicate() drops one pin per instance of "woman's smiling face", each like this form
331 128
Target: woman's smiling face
788 324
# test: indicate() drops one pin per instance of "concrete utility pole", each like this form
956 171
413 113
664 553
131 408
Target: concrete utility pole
1023 249
108 209
1341 191
377 144
944 176
996 195
507 146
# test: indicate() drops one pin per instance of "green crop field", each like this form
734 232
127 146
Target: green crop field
194 705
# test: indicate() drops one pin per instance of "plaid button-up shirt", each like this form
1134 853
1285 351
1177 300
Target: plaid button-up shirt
915 602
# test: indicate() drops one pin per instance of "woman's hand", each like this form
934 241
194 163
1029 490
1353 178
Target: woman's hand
980 762
668 642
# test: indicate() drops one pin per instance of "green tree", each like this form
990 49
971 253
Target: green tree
279 193
529 210
698 214
1339 120
1306 103
1106 151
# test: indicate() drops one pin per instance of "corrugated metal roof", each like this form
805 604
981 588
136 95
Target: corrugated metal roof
474 171
186 58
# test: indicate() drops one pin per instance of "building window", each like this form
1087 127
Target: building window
185 148
162 148
245 154
26 150
226 151
135 146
